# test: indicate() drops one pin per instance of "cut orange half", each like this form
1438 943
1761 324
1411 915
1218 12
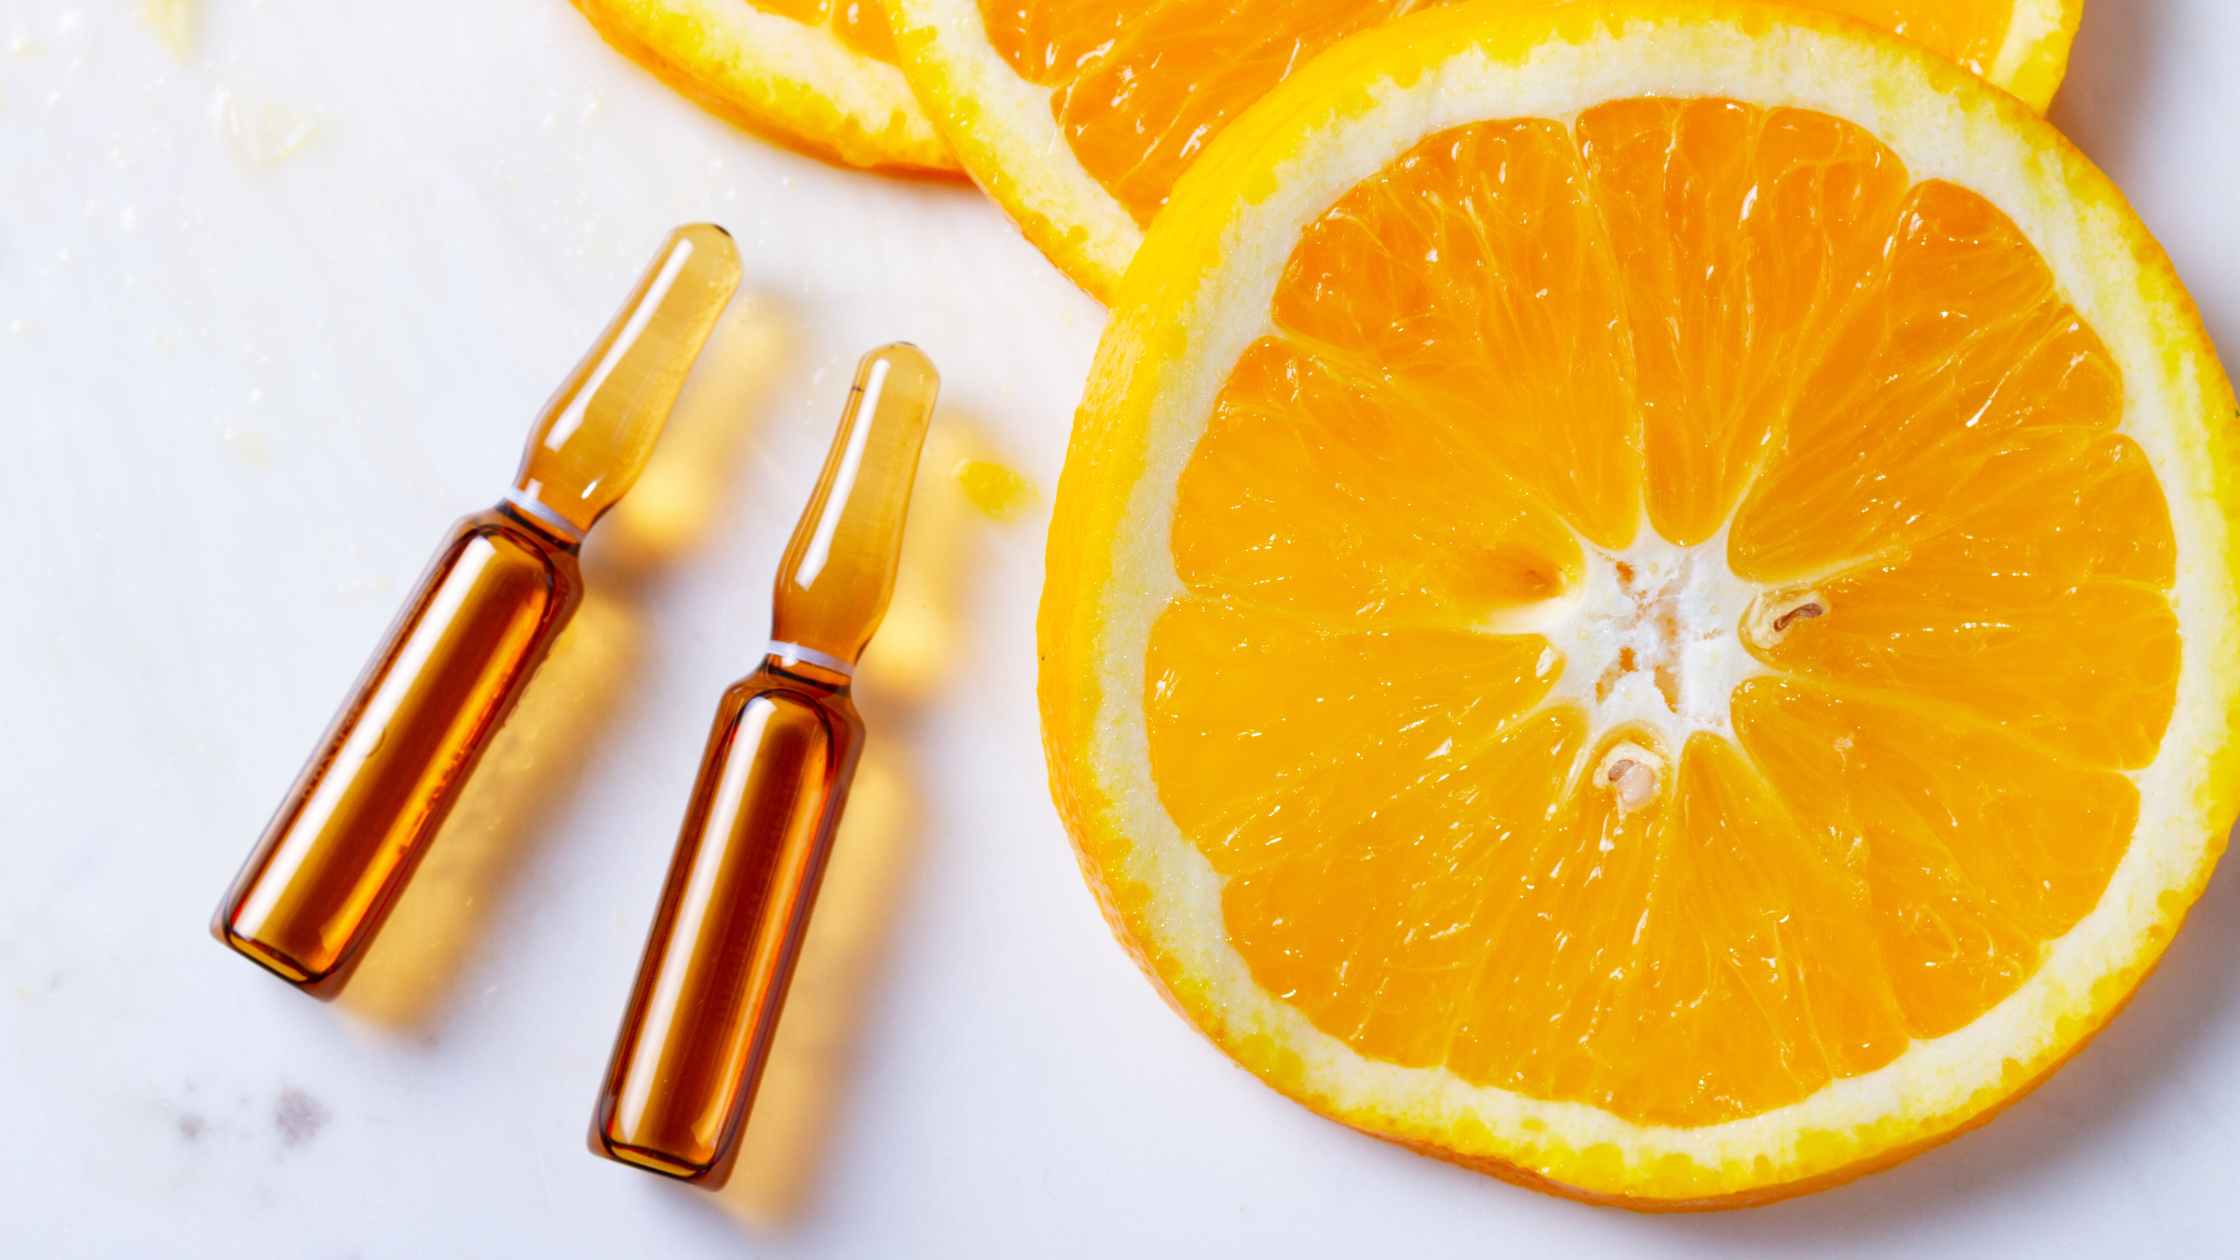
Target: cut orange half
817 76
1643 598
1078 115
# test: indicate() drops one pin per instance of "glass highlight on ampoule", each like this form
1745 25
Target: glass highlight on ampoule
772 784
503 585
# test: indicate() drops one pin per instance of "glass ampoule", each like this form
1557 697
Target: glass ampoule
505 582
759 827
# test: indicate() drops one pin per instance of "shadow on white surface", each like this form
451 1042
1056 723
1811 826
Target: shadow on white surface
2113 107
2102 103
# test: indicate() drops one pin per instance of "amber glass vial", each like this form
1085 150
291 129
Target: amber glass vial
483 617
760 823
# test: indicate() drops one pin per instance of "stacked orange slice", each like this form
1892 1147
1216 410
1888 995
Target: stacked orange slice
1077 116
814 75
1644 599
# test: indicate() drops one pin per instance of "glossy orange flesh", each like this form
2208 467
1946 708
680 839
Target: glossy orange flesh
1500 360
1139 87
860 24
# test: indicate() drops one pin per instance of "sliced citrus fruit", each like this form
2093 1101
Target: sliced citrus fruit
817 76
1078 115
1643 597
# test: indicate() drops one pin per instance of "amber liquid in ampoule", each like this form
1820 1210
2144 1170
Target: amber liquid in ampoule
484 617
759 828
733 915
505 582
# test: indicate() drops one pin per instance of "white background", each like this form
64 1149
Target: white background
244 387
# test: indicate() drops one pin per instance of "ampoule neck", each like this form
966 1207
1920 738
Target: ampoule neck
822 678
543 532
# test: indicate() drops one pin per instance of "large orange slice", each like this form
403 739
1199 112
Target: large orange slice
817 76
1643 597
1078 115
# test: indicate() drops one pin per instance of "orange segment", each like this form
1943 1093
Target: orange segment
1137 112
1741 980
1975 846
806 12
1049 43
1470 280
1964 344
1743 237
2089 669
1345 505
1971 32
1390 947
862 26
1238 741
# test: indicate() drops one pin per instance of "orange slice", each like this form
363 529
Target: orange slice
817 76
1078 115
1643 597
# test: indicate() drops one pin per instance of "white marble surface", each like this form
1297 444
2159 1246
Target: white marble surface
276 308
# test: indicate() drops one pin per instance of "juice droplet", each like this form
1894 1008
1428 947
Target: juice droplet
258 133
994 489
173 22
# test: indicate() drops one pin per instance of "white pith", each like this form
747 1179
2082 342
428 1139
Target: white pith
1002 127
2034 25
2171 399
872 96
1654 604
